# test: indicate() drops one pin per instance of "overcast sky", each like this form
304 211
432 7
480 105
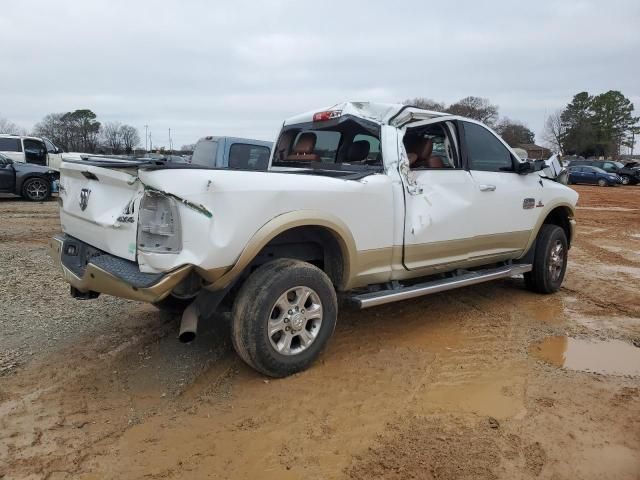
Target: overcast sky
242 67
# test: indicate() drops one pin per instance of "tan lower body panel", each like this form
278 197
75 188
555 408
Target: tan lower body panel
385 264
453 251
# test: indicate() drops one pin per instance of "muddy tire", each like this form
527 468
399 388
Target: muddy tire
626 179
36 189
283 316
550 260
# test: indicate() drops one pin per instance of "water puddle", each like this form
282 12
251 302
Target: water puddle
611 357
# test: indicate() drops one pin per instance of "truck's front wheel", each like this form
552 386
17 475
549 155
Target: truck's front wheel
283 316
550 260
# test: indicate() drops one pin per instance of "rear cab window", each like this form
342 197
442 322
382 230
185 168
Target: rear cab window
244 156
343 144
205 153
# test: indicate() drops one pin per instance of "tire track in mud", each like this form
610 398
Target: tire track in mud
402 390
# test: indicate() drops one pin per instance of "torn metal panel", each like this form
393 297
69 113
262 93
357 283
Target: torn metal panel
197 207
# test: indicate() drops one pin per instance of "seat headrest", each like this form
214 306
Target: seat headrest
358 151
418 148
426 150
305 144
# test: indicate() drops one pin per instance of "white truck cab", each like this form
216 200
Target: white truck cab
370 203
27 149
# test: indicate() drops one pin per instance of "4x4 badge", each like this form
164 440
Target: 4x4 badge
84 198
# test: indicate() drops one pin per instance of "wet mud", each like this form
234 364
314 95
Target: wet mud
486 382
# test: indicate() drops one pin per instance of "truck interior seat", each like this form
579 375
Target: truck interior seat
303 149
358 151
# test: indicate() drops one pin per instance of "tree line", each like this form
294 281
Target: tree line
80 131
513 132
593 125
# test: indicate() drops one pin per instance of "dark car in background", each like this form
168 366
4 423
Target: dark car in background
33 182
627 174
592 176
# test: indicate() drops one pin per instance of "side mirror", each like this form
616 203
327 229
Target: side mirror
525 168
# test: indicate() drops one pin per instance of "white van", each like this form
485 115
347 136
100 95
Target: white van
25 149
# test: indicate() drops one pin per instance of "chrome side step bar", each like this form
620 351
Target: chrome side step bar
373 299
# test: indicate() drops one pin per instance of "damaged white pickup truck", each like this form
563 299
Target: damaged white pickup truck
369 203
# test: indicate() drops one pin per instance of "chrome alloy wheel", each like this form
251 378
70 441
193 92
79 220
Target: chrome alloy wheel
556 260
295 320
37 189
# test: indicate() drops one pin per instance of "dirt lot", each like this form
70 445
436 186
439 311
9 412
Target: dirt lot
487 382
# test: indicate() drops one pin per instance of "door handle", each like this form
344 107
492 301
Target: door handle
487 188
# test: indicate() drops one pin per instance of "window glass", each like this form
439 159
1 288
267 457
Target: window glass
327 142
374 145
10 145
486 152
34 146
51 148
429 147
205 153
342 144
35 151
248 157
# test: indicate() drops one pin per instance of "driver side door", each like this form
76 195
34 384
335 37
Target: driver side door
34 151
505 210
7 176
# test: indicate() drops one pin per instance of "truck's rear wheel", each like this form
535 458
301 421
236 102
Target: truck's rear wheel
550 260
283 316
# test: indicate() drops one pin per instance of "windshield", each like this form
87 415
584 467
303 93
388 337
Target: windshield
343 144
205 153
51 148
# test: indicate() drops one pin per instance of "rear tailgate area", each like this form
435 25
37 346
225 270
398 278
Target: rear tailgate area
99 205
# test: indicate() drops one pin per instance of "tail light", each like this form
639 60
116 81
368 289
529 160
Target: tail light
159 224
327 115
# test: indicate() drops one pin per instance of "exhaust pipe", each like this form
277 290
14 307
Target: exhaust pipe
189 323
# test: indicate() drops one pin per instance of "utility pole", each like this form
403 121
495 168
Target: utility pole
170 145
146 138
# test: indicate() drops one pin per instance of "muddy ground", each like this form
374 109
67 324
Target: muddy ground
468 384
